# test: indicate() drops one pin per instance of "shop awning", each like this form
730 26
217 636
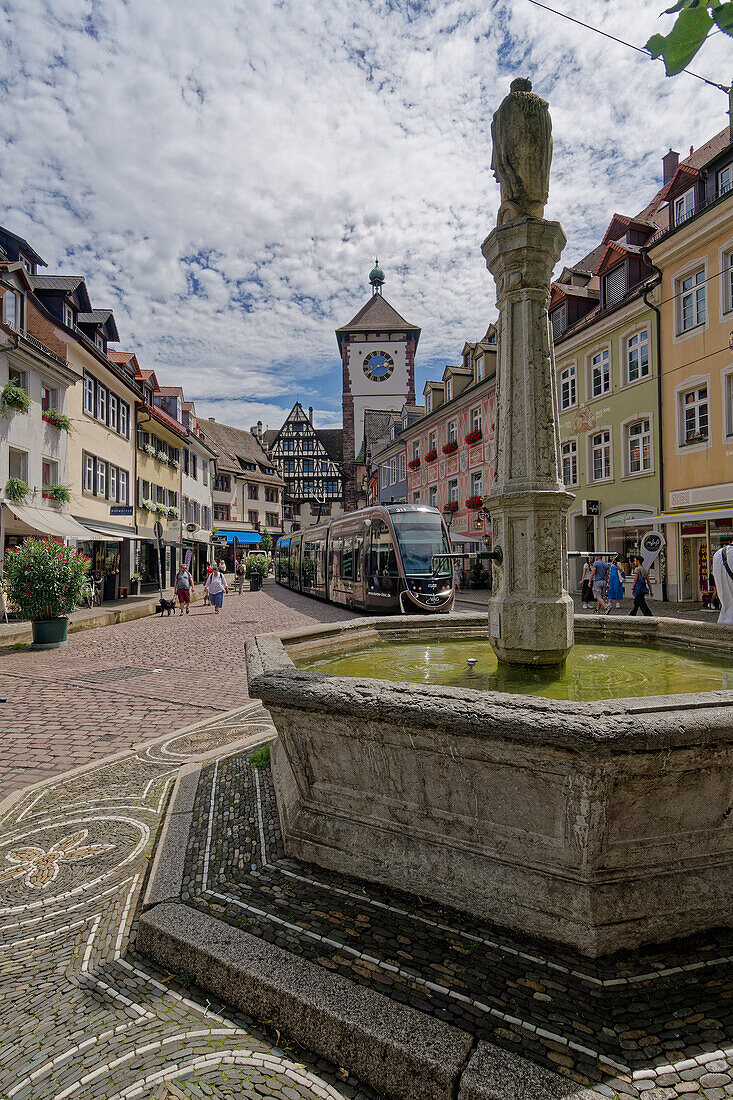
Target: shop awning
692 517
48 522
244 538
109 534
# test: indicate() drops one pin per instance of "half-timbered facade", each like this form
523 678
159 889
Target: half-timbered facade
309 461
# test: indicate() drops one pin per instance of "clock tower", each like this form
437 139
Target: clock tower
377 349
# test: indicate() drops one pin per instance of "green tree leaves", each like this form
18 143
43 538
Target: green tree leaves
694 22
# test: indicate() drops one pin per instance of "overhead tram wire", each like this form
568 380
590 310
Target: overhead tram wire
623 42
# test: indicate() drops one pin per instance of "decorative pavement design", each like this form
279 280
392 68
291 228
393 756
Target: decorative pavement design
86 1017
657 1024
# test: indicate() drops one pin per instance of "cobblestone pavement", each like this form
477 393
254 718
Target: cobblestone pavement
473 598
83 1015
117 685
657 1024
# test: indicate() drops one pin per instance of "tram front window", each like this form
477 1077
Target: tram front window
420 535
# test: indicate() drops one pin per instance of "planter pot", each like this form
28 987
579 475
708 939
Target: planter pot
49 633
255 582
134 588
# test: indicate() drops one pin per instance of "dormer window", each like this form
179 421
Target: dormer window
26 265
684 206
428 402
68 316
148 396
12 308
480 369
99 341
725 179
449 389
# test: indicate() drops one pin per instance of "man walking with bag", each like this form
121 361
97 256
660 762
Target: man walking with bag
183 587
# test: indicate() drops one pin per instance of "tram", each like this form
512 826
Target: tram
379 559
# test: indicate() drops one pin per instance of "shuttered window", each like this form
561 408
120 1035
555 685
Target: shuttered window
615 285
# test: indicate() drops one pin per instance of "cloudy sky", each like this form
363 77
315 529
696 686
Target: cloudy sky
224 174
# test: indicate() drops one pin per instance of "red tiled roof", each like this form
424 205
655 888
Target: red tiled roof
168 421
170 391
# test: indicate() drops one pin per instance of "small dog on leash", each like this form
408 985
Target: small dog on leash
165 605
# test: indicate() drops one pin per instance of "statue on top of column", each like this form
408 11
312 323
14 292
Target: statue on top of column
521 133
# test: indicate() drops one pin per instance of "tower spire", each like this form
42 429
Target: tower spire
376 277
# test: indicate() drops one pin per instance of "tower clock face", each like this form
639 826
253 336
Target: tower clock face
378 366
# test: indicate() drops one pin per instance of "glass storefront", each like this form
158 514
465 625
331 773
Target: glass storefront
624 532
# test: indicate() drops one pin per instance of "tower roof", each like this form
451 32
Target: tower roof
377 315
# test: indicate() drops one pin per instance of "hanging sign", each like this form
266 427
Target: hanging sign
187 559
651 547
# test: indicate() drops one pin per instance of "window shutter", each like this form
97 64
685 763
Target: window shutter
615 285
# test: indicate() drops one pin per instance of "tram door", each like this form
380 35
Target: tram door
382 576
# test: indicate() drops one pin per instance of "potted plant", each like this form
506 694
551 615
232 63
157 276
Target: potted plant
474 436
149 450
161 509
135 580
430 456
256 568
162 456
45 579
449 448
16 490
451 506
57 419
13 399
414 464
59 493
173 512
474 504
174 463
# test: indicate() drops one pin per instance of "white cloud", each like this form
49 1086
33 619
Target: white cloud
225 181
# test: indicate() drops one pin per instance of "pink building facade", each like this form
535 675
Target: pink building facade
450 449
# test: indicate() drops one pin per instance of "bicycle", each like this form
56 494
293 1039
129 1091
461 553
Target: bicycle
93 592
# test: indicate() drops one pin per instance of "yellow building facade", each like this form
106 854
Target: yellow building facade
695 256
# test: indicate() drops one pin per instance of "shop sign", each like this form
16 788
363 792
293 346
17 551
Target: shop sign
120 509
651 547
627 519
591 507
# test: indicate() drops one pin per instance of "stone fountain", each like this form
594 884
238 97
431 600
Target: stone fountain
550 818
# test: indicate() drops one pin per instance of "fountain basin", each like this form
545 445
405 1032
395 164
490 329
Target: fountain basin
597 825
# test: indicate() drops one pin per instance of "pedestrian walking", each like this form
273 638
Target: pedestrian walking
222 567
183 588
599 581
239 574
216 585
641 588
586 590
616 578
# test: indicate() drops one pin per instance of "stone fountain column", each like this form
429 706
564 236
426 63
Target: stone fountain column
530 611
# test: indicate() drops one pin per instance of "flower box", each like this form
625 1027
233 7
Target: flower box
149 450
174 463
57 419
13 399
59 493
474 436
450 448
451 506
414 464
431 456
162 457
474 504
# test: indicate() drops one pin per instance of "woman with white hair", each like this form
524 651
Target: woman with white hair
216 586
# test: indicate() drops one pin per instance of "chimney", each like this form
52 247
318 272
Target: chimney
259 430
669 165
310 414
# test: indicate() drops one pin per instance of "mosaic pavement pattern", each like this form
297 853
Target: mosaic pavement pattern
83 1015
657 1025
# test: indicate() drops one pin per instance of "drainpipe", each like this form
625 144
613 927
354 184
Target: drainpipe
660 435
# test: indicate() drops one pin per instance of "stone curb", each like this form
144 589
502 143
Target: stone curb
495 1074
393 1047
166 874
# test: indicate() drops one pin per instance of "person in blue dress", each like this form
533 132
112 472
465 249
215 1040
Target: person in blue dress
616 578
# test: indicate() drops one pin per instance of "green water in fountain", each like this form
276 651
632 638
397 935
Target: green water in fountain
592 672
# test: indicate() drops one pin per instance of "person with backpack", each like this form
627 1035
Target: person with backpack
641 588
